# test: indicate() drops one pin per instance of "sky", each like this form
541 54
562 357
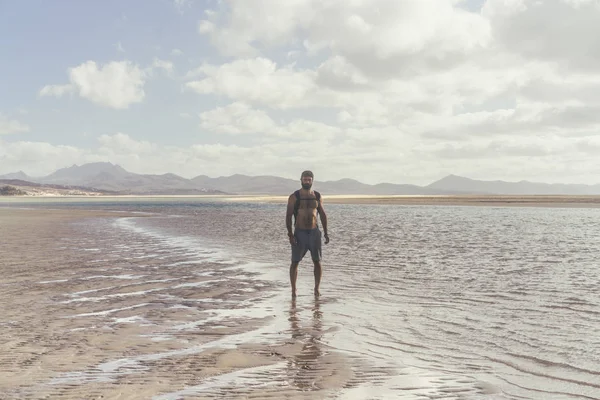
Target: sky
399 91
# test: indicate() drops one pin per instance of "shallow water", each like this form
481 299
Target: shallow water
423 301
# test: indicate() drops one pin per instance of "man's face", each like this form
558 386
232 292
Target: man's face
307 182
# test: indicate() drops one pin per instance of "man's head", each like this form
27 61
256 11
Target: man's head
306 179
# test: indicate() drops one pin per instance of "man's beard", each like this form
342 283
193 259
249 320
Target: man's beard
306 186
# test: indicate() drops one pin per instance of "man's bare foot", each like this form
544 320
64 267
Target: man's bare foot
317 293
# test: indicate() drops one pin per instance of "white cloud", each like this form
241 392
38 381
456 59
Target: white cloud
559 31
181 5
258 81
220 153
273 23
391 62
381 37
338 73
338 85
189 161
580 3
9 126
57 90
524 121
38 158
503 8
165 65
117 84
237 118
534 146
307 132
121 143
425 79
205 26
176 52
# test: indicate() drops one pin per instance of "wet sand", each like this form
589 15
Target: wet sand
77 326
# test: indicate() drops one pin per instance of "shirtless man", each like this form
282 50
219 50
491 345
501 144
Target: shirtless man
306 235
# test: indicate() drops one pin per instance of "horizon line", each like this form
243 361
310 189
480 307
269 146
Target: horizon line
282 177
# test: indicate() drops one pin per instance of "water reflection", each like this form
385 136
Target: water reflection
304 366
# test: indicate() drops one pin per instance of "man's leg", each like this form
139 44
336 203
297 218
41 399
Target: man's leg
293 277
315 252
318 272
298 252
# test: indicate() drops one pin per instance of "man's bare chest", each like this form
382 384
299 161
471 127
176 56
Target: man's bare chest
309 203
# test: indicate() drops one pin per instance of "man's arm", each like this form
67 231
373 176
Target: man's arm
289 213
323 217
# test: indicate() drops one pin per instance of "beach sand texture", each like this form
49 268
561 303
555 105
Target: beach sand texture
79 323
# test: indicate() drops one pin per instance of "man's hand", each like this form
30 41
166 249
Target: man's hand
326 236
292 238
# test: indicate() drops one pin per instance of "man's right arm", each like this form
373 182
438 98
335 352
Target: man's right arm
289 214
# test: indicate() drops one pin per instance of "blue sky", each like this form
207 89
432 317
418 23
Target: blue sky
44 38
378 90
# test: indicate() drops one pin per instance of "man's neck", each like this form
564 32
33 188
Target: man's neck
306 191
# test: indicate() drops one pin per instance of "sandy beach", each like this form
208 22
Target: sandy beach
82 325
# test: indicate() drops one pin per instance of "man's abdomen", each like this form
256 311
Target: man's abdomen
306 220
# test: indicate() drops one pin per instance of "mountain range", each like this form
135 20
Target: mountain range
108 177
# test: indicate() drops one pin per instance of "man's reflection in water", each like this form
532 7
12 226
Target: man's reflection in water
304 366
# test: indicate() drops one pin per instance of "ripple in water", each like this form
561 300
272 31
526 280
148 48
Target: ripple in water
490 301
424 302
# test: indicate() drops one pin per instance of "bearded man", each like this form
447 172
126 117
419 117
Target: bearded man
304 205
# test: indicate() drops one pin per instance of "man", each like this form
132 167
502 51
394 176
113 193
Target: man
304 204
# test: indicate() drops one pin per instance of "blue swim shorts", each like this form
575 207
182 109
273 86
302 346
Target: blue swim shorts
307 240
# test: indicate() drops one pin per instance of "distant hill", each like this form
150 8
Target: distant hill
466 185
244 184
274 185
109 177
85 173
18 187
114 178
16 175
351 186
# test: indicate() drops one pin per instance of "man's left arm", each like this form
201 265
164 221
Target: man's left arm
323 217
